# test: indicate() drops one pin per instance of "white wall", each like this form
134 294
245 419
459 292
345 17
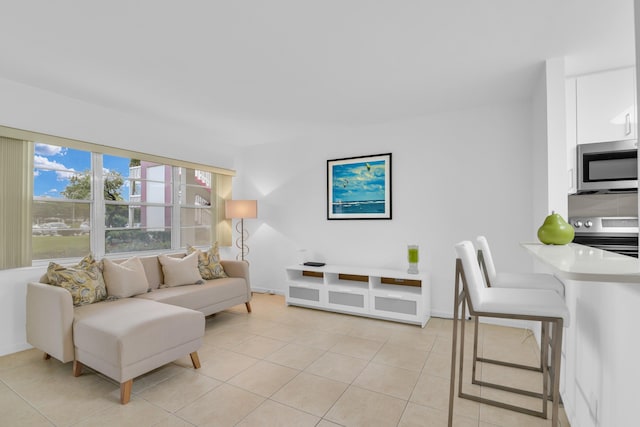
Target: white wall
558 175
455 175
29 108
13 293
550 175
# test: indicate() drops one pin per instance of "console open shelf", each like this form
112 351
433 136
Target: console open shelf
380 293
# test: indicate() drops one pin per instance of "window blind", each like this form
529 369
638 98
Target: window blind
16 190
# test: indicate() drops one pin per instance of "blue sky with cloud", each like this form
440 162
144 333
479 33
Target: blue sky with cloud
53 166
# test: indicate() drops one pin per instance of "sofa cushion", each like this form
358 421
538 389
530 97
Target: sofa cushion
197 297
209 262
180 271
115 335
84 281
124 279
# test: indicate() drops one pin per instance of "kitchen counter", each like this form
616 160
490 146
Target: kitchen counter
584 263
600 374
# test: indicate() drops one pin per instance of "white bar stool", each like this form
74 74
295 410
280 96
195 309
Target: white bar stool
540 305
514 281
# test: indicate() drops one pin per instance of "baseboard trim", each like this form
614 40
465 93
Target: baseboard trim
267 291
15 348
442 314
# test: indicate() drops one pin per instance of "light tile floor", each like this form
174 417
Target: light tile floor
282 366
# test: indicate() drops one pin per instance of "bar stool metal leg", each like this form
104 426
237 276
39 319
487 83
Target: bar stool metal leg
459 297
555 364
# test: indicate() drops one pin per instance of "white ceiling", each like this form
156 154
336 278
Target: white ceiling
252 69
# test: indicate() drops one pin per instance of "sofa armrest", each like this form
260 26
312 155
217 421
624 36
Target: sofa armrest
237 269
50 320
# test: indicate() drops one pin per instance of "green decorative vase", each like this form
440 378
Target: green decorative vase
555 230
412 254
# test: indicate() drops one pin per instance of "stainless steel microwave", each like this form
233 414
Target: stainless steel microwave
608 167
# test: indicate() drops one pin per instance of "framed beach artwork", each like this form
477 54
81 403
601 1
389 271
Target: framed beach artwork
359 187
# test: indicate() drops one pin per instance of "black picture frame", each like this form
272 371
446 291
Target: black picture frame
359 187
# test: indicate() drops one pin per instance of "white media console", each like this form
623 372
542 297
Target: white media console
383 294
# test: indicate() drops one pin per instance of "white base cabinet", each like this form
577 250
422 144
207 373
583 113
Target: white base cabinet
383 294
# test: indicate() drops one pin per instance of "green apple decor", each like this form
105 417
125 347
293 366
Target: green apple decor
555 230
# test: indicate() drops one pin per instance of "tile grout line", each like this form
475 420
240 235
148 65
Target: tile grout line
27 402
300 371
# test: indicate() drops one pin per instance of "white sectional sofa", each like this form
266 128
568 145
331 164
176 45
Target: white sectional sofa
127 337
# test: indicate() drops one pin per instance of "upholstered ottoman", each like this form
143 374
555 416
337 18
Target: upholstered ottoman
126 338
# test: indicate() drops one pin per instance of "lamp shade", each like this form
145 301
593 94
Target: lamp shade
241 209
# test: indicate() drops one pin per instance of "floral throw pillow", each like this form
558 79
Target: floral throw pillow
209 262
84 281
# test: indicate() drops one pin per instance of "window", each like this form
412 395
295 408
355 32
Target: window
62 198
138 198
138 205
196 215
69 198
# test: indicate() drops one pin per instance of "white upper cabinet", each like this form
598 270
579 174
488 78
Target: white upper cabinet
606 106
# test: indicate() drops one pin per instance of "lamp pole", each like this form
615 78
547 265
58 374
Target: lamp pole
241 209
242 237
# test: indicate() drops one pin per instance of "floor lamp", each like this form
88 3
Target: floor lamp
241 209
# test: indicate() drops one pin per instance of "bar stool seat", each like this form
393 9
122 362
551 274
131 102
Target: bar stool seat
525 302
513 280
527 281
540 305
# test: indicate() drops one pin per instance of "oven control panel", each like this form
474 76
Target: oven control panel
605 225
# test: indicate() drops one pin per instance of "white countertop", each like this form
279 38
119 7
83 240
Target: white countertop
578 262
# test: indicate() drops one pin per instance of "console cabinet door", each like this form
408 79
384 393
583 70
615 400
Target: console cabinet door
342 298
305 294
606 106
396 305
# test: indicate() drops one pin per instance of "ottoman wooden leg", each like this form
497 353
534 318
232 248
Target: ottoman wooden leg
46 356
248 304
125 391
77 368
195 360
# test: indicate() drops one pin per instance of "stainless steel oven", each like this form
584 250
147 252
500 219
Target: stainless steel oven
615 234
608 167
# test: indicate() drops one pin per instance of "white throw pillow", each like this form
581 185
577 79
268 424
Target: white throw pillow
125 279
180 271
